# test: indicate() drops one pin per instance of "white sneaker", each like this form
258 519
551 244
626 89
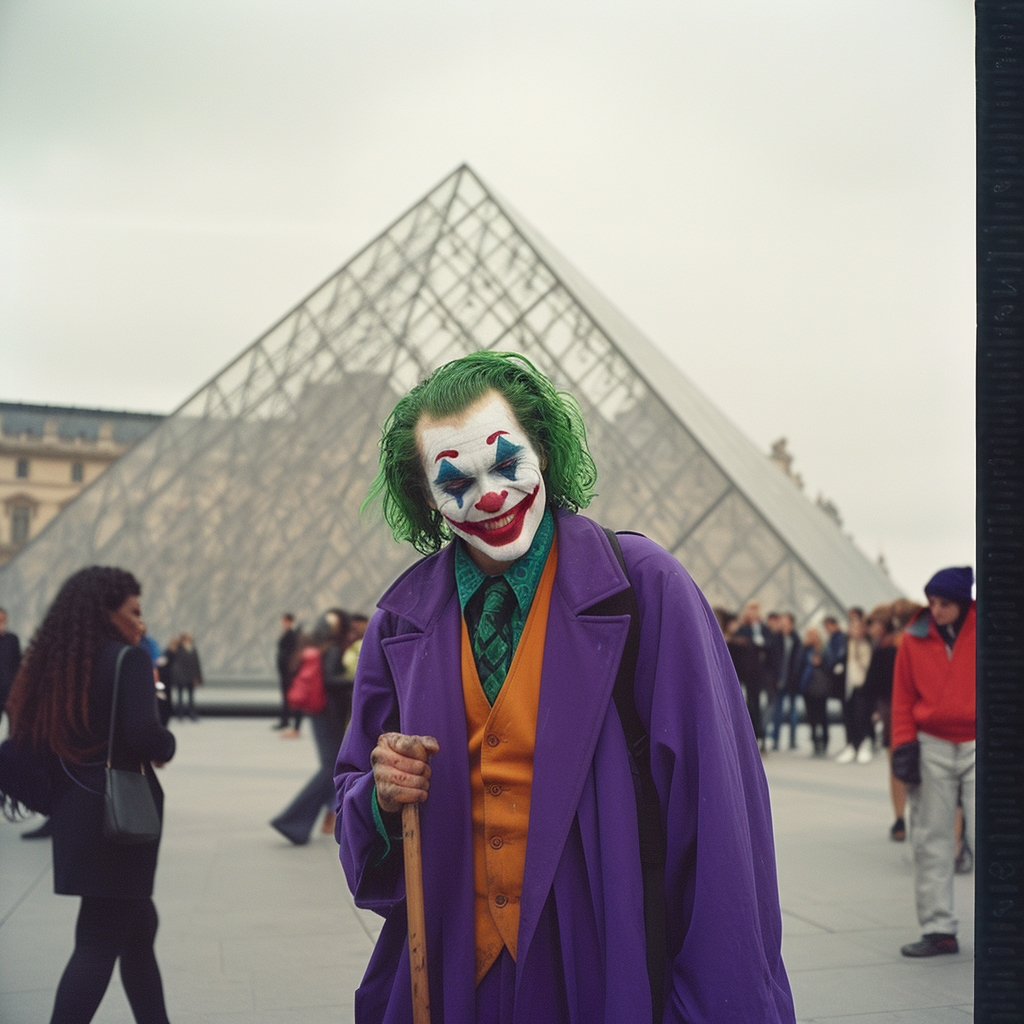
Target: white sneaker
846 755
864 755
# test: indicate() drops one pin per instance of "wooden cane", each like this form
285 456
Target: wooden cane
414 912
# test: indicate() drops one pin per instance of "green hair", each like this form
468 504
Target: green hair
551 419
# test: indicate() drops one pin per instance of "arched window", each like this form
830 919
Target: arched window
20 519
21 508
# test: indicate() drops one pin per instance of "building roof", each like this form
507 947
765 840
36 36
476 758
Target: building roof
18 418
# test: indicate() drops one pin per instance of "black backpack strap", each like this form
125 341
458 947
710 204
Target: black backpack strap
624 603
648 809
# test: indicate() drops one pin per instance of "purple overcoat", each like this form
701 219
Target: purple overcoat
581 932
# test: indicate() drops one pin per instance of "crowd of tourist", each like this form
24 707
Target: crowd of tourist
788 679
904 678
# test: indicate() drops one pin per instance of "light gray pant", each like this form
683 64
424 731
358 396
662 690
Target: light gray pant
947 775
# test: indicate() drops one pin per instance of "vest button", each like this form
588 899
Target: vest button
500 901
495 790
492 740
496 842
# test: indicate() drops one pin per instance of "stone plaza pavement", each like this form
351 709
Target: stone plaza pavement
254 930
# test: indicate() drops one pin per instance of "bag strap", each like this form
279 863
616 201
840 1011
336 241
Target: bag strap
624 603
77 781
113 704
653 852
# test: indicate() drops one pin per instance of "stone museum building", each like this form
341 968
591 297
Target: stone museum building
48 453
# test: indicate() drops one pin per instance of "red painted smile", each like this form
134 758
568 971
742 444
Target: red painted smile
500 530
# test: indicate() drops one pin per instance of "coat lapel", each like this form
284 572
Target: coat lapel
427 669
581 658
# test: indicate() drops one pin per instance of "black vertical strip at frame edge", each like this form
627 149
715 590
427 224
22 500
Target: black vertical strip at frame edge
999 864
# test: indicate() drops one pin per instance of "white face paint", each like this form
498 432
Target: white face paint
485 478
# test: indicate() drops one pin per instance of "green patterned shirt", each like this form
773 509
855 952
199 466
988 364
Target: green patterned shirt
522 576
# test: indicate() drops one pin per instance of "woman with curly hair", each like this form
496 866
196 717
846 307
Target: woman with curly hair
61 701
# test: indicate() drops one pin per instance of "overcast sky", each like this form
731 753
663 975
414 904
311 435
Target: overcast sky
781 196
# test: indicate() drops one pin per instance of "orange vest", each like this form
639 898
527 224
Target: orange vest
501 740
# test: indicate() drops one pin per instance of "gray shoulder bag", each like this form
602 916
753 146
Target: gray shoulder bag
129 811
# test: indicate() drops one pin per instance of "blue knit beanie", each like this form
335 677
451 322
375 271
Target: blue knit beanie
952 584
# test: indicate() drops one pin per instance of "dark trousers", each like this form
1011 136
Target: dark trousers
817 719
857 717
780 715
753 691
296 821
287 714
185 700
109 930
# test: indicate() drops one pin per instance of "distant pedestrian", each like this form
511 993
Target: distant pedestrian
728 623
772 668
350 658
286 644
151 647
162 665
903 613
815 683
790 666
750 656
883 630
331 637
10 659
933 717
835 656
186 675
856 713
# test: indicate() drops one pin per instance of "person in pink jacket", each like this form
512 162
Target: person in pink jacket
933 717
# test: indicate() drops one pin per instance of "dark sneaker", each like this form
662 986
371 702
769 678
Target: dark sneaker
899 831
932 945
43 832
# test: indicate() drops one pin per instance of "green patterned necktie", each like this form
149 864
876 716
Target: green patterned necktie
492 640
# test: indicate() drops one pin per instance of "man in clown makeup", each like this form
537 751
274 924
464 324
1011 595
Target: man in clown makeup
484 693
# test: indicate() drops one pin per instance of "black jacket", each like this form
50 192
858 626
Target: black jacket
285 649
84 864
184 667
878 683
776 655
751 659
10 659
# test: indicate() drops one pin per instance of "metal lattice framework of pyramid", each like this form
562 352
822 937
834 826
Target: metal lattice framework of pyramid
245 501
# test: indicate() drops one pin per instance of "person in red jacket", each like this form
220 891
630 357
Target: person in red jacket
933 706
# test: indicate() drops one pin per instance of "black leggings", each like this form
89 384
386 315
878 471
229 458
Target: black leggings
107 930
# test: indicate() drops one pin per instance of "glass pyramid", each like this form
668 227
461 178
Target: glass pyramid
245 502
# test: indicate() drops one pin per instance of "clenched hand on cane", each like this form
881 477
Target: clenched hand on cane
401 774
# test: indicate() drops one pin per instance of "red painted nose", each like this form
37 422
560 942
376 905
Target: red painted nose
491 502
